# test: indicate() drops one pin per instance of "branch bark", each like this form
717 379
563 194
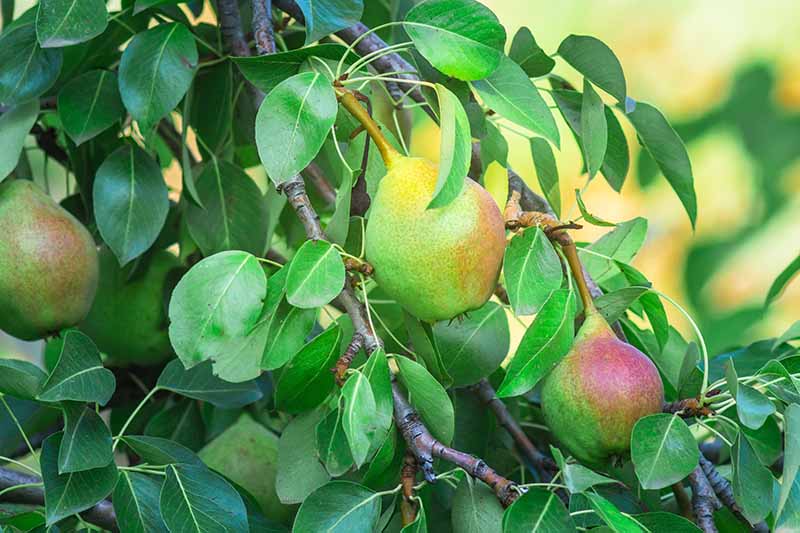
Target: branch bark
704 501
262 27
101 514
724 491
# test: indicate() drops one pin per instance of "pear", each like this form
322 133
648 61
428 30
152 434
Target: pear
247 454
128 320
596 393
48 264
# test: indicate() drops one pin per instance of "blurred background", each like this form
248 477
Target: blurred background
727 76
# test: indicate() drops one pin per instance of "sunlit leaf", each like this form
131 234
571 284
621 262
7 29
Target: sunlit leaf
663 450
455 150
595 60
429 399
532 271
316 275
67 22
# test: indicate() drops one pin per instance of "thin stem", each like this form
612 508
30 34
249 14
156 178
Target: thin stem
19 464
142 470
339 150
389 331
714 431
22 486
358 40
349 101
399 130
571 255
16 423
385 78
376 54
269 262
132 416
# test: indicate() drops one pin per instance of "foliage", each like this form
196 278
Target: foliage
271 321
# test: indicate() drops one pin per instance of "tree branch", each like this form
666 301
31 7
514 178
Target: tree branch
101 514
484 390
724 491
230 23
408 474
262 27
704 501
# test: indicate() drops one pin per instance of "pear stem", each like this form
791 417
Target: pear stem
571 254
350 102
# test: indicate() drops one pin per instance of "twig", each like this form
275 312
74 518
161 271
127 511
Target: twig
426 447
320 183
262 27
684 503
295 191
484 390
101 514
408 474
704 501
688 408
343 363
724 491
230 23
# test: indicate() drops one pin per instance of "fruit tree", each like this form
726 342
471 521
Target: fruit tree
261 313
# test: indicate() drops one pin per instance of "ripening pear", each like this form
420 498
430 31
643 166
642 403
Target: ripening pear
594 396
128 320
48 263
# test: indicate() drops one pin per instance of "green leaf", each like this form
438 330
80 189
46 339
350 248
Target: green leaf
359 415
594 130
455 150
339 506
130 202
90 104
306 380
267 71
86 441
545 342
294 119
540 511
783 279
156 70
752 407
546 172
509 92
332 444
787 510
428 398
28 70
136 503
299 471
377 373
595 60
589 217
532 271
214 305
71 493
663 143
234 213
527 54
461 38
475 508
792 333
67 22
288 328
494 146
316 275
421 336
15 124
619 244
196 500
180 422
323 17
612 516
663 450
158 451
752 482
21 379
664 521
612 305
213 88
79 374
200 383
473 348
617 159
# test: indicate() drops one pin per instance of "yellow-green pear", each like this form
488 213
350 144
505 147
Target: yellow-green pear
48 264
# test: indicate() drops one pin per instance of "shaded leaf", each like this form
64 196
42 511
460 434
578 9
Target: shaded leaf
339 506
537 510
136 503
89 104
475 508
130 202
15 124
156 70
546 172
158 451
79 374
86 441
200 383
22 80
299 471
307 380
20 379
68 22
752 482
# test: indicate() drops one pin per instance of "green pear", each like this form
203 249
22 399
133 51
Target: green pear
247 454
48 264
436 263
128 320
594 396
